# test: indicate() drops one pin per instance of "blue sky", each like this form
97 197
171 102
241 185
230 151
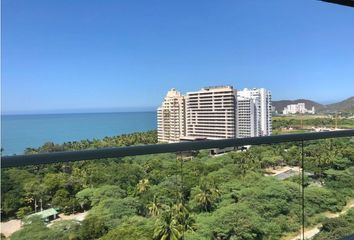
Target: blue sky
87 55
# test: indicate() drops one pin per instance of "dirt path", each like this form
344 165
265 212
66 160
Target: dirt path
9 227
310 233
76 216
349 205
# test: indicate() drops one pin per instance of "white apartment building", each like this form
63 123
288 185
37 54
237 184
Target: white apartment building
247 124
262 100
298 108
171 117
211 113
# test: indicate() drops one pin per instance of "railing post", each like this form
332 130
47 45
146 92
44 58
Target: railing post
303 189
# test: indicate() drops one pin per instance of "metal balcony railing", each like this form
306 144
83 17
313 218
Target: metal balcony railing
349 3
70 156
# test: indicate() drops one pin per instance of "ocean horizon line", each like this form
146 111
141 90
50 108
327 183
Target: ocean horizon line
64 113
33 130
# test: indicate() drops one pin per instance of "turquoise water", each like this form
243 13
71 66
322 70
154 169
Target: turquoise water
22 131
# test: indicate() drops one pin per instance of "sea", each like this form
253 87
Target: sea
19 132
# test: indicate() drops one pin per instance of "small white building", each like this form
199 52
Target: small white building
298 108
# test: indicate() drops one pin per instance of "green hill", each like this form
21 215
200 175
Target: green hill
345 106
280 105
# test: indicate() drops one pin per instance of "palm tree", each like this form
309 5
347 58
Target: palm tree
179 209
143 185
182 215
167 228
33 191
206 197
154 207
245 161
324 157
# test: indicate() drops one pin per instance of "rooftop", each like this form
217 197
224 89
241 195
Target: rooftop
45 213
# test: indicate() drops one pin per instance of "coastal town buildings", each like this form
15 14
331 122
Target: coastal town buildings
219 112
298 108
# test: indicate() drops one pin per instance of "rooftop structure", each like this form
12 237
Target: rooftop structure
48 214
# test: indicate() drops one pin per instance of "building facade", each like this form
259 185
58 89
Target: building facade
247 124
171 117
218 112
211 113
262 100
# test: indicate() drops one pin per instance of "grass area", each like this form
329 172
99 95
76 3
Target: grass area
307 122
279 131
298 116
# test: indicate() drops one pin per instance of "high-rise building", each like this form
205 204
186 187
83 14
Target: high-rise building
211 113
171 117
247 125
214 113
262 99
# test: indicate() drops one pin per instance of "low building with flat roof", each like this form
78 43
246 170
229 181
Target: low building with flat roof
47 215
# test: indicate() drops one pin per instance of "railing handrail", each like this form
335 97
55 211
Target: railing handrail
70 156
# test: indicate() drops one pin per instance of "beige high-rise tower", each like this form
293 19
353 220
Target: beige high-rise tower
171 117
211 113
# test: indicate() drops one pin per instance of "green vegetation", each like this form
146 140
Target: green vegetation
310 121
345 107
35 228
165 196
337 228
